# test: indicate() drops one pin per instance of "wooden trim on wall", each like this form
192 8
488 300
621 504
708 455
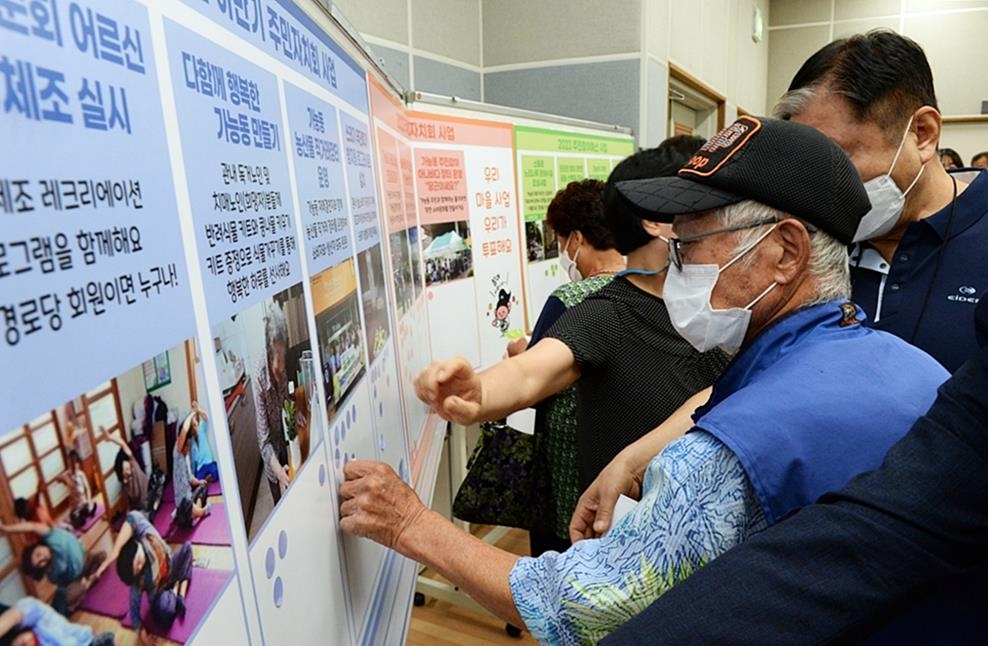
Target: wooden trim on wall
966 118
679 74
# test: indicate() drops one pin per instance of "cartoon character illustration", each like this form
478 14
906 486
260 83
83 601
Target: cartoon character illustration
501 311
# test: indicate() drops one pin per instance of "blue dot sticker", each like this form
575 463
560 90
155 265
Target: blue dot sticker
282 544
269 563
279 592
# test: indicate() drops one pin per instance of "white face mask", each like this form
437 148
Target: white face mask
886 200
687 298
569 264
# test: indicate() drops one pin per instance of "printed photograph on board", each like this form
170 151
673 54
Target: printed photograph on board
373 296
339 332
116 522
267 374
401 268
541 241
447 251
414 242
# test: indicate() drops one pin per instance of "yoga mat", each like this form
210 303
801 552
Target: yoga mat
108 596
204 586
212 489
211 530
91 520
163 518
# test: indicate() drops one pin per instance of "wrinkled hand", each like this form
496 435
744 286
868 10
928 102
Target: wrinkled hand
452 389
595 508
376 503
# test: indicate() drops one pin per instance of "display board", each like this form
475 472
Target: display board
547 160
226 250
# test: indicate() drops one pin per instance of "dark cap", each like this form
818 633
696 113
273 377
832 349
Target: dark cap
785 165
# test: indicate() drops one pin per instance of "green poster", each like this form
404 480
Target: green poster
538 186
599 169
572 143
571 169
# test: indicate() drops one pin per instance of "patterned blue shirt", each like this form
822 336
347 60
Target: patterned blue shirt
697 503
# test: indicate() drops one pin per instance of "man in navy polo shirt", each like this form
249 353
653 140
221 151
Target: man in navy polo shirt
919 263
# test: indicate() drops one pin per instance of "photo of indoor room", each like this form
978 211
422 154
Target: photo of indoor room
541 241
447 253
75 481
401 270
415 244
339 332
374 299
267 375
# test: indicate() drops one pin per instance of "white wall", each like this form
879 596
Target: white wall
952 33
604 61
427 45
968 139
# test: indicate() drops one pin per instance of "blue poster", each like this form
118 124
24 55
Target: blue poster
314 138
91 260
235 150
281 29
360 178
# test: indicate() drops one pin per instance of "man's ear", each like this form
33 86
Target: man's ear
656 229
926 123
794 255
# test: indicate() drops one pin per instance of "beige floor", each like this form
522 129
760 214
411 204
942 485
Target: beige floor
439 624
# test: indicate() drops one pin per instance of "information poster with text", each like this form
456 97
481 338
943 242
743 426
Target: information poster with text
397 188
548 160
468 215
107 443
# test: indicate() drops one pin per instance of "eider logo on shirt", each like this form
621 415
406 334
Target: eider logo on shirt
967 295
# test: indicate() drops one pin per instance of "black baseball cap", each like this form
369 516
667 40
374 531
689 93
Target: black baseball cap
785 165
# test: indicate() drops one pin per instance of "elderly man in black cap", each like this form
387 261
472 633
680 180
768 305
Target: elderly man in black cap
763 214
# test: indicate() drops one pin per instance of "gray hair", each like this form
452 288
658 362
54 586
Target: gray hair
828 264
275 327
793 103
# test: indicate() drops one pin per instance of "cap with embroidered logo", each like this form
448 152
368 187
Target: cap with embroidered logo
785 165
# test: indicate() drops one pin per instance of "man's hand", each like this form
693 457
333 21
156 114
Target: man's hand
517 346
376 503
595 509
452 389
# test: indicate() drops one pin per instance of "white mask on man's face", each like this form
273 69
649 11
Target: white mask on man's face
886 198
687 297
568 264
